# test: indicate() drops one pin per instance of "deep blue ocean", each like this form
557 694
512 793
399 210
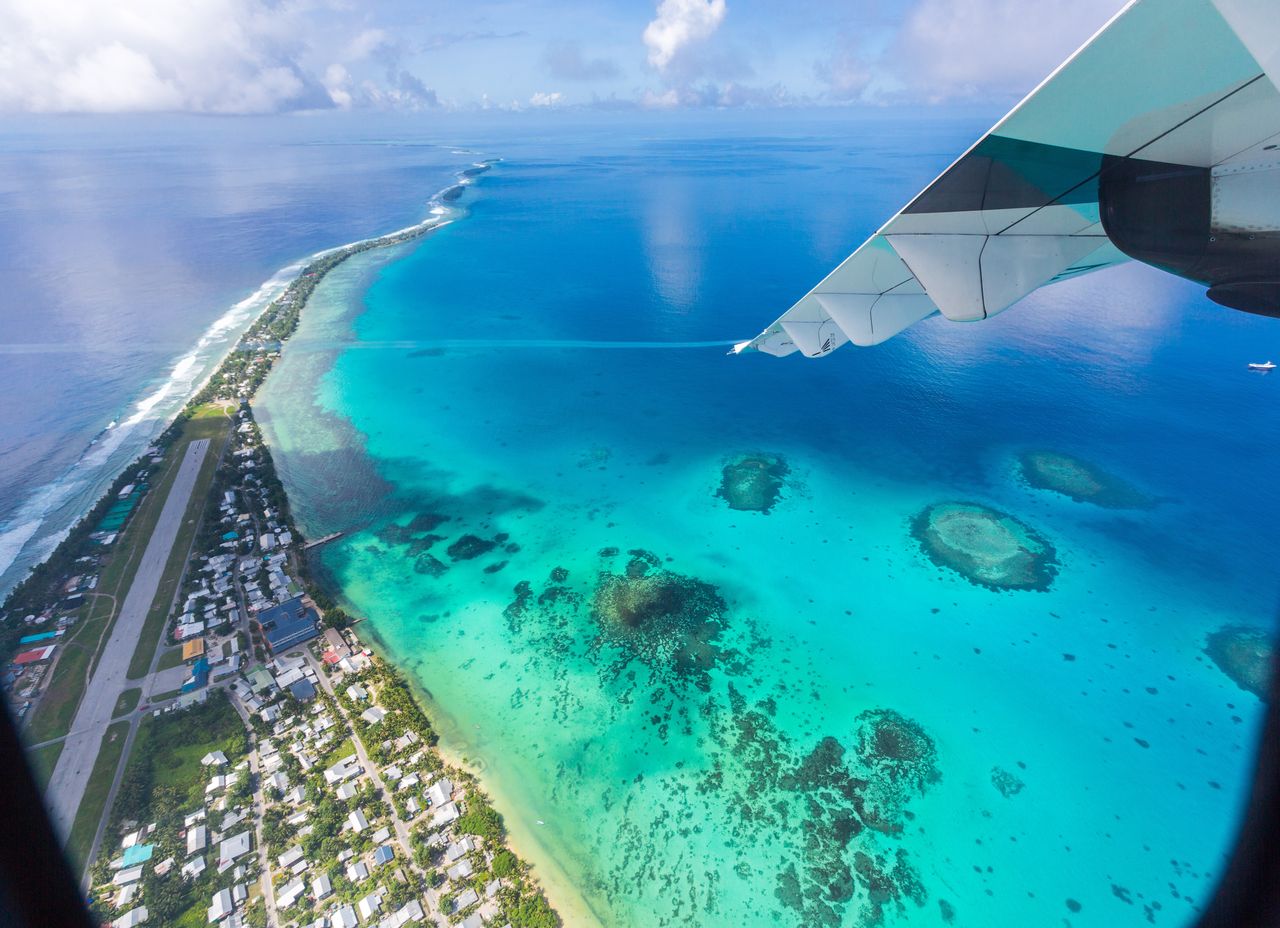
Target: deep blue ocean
550 368
126 245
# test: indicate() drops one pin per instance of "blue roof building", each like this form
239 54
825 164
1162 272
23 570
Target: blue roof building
383 855
288 624
199 676
303 690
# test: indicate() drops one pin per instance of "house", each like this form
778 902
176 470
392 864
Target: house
357 821
291 893
260 680
379 836
288 624
440 792
127 876
409 912
222 906
458 849
232 849
322 887
461 870
193 867
357 693
131 918
214 759
374 714
383 855
343 770
465 899
344 917
290 857
358 872
445 814
472 921
369 906
346 791
334 642
197 839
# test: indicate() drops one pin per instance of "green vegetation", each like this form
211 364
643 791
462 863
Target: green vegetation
43 760
128 701
505 863
481 819
169 658
95 794
164 773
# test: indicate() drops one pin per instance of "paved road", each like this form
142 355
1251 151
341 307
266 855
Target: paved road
110 679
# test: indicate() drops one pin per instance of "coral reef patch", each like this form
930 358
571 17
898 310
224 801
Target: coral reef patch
985 546
1245 654
753 482
1080 480
1006 783
661 618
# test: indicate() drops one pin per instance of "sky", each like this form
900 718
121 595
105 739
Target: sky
279 56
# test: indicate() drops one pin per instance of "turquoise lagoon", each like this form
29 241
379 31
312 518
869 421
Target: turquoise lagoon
815 724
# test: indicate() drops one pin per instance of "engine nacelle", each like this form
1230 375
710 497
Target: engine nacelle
1216 226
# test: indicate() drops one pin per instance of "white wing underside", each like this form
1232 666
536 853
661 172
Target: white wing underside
1187 82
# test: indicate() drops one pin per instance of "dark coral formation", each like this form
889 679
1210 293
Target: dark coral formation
666 620
1080 480
1006 783
985 546
835 801
1245 654
469 546
753 482
900 761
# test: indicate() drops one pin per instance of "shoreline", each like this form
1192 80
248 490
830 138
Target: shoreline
548 874
281 283
268 331
45 501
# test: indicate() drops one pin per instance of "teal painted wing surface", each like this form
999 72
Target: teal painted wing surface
1166 81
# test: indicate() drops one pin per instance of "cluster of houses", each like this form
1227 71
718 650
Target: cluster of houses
246 576
26 672
212 845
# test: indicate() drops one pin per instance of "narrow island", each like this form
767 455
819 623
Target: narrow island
263 766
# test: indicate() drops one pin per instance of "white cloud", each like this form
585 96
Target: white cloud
679 23
546 99
215 56
960 49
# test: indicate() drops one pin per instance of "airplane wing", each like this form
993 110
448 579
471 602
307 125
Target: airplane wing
1051 191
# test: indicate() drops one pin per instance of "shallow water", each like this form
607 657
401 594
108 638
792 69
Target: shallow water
816 723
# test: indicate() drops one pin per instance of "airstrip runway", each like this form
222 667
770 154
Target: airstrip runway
110 679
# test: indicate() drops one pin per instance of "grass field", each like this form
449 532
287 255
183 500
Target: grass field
170 658
43 760
208 422
53 714
127 702
95 794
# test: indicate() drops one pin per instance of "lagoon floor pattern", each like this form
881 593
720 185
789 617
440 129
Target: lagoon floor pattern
815 724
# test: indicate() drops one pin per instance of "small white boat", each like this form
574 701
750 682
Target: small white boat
1266 366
